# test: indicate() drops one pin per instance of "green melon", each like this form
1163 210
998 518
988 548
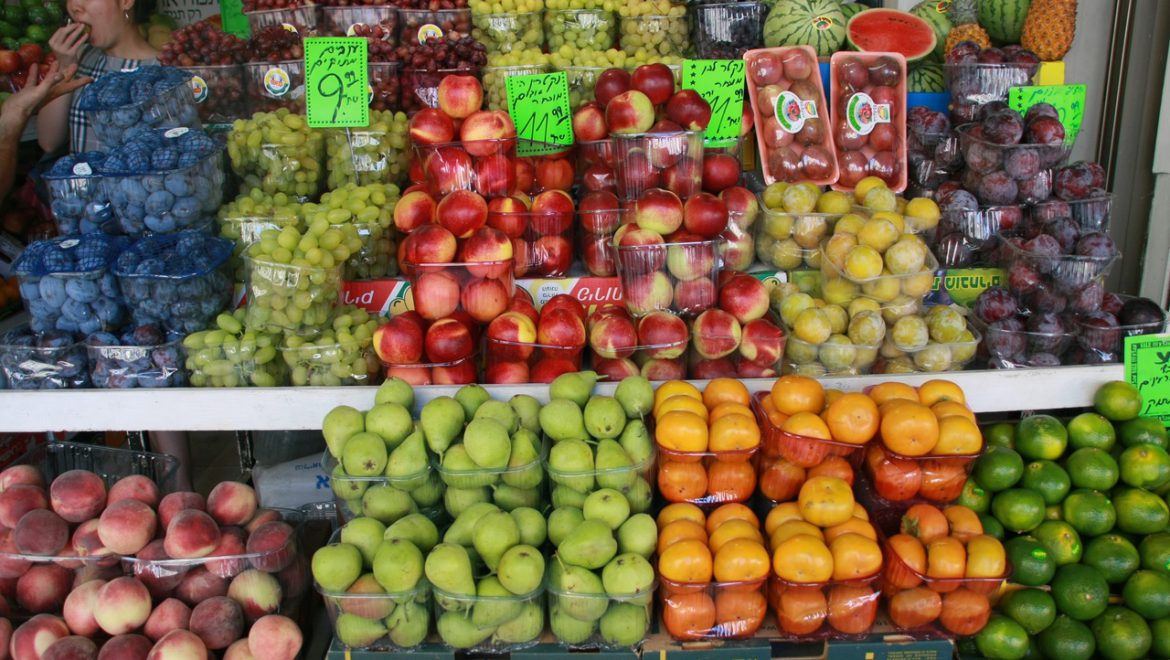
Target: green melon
891 31
926 77
1003 19
934 12
852 9
816 23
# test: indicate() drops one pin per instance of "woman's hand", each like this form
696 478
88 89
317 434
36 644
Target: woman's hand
68 41
25 102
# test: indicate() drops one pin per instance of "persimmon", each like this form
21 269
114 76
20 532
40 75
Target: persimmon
680 511
681 431
734 433
908 564
731 530
942 479
833 466
689 616
964 612
795 394
957 436
935 390
739 613
682 402
802 559
742 560
852 608
826 501
851 526
680 530
780 514
725 390
946 563
952 409
731 511
894 479
909 429
681 481
914 608
781 480
793 528
883 392
855 557
807 424
731 481
728 408
673 387
985 557
964 522
686 561
799 610
852 418
925 522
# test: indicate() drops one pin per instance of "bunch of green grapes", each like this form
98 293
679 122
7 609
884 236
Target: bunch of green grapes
503 26
277 152
589 29
245 217
365 214
653 28
339 355
230 356
377 154
502 65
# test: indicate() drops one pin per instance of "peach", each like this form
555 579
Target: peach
664 370
554 174
77 495
647 293
40 532
232 545
762 342
436 294
431 126
629 112
218 622
487 132
86 542
485 299
257 592
231 503
399 341
659 211
430 244
79 607
126 526
275 544
367 608
275 637
412 375
507 214
552 212
663 335
178 645
547 369
716 334
239 651
294 578
462 212
738 250
125 647
191 534
21 474
511 336
552 256
123 605
487 252
268 515
457 373
413 210
199 584
91 571
159 579
19 499
173 503
460 96
615 370
495 176
525 173
745 369
73 647
449 169
561 328
743 208
44 588
10 566
506 373
589 123
448 339
136 486
639 250
33 637
613 336
744 297
522 302
691 260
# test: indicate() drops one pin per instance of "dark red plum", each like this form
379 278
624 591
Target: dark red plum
1005 339
963 51
964 113
1096 245
1035 189
848 139
1022 163
957 200
1045 299
1066 232
996 304
1075 181
991 56
853 75
1045 130
813 132
1043 246
1004 127
1088 298
1022 278
1030 60
1112 303
954 252
949 187
997 188
854 166
817 162
992 107
885 71
884 165
1040 110
1141 311
1050 210
1099 331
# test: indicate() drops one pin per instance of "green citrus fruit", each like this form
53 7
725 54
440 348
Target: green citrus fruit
1118 400
1148 593
1041 436
1061 540
1080 591
1160 630
1144 430
1140 511
991 526
1019 509
1155 552
1034 609
999 468
1145 466
1092 468
974 497
1113 555
1048 479
999 434
1091 430
1032 565
1121 634
1002 639
1089 512
1067 639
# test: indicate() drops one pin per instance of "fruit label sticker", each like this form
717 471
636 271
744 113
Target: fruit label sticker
822 22
199 88
1069 101
792 111
863 114
231 17
429 31
337 85
290 27
176 132
82 169
352 29
721 84
539 105
277 81
1147 367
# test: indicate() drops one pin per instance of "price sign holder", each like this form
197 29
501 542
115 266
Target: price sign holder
336 82
721 84
1069 101
232 19
539 105
1147 367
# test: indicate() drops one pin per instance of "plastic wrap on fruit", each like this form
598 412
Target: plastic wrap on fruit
66 286
148 97
76 196
143 356
51 360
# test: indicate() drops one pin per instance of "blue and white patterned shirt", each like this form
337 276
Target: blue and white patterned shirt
93 63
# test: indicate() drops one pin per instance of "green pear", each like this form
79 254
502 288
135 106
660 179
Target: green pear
638 534
604 417
357 632
561 419
572 462
561 522
625 624
575 386
391 422
533 529
364 455
636 440
607 505
430 492
387 504
524 469
441 420
493 603
507 497
461 530
568 629
494 534
409 625
628 575
345 486
457 500
416 528
521 569
398 566
636 395
407 465
487 443
527 409
339 424
448 569
580 593
458 470
336 566
366 534
591 545
395 390
471 397
500 411
639 495
563 497
525 626
457 630
613 465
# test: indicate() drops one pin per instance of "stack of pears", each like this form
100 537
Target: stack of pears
599 441
502 610
379 461
490 450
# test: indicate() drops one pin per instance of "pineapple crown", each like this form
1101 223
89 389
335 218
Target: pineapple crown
962 11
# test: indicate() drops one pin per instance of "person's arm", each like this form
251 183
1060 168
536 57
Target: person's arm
24 104
53 120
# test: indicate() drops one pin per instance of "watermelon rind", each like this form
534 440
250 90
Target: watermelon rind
1003 19
891 31
934 12
851 9
817 23
927 77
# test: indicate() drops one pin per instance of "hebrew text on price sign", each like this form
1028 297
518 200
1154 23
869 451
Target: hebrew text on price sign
721 84
539 105
336 82
1147 367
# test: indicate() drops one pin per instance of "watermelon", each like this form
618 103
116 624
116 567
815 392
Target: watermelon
852 9
934 12
891 31
926 77
816 23
1003 19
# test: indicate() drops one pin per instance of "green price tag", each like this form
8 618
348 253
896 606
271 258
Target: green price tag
721 84
1147 367
336 82
232 19
964 285
539 105
1069 101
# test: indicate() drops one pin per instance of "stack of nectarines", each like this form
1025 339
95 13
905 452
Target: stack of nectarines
524 346
653 346
736 337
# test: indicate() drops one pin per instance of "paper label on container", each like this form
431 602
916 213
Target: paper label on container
277 81
199 88
1147 367
82 169
863 114
792 111
176 132
429 31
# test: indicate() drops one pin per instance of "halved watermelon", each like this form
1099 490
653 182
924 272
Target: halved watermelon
891 31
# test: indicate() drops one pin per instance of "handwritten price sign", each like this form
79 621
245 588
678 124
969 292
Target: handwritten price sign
336 82
1147 367
232 19
539 105
721 84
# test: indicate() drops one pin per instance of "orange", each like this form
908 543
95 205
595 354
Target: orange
933 391
964 522
957 436
851 526
680 402
800 610
686 561
826 501
725 390
909 429
912 556
952 408
945 558
780 480
855 557
734 433
803 559
731 530
681 431
675 387
731 481
793 394
883 392
681 482
742 560
689 616
793 528
852 608
680 511
729 408
859 511
780 514
680 530
739 613
924 522
853 418
807 424
731 511
833 466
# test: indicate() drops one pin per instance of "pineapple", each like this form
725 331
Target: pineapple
1049 28
968 32
962 12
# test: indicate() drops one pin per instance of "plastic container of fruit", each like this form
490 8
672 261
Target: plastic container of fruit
520 362
585 29
378 21
167 201
296 169
330 364
55 457
791 241
172 108
348 490
1011 348
366 157
884 288
1065 273
622 478
723 31
1093 214
942 476
120 367
803 450
657 35
455 372
275 85
1107 343
185 301
547 248
798 145
581 80
980 228
375 259
485 166
508 31
522 631
529 477
869 94
733 356
495 86
78 201
67 284
974 85
298 20
898 577
656 362
1019 161
245 230
288 298
247 360
828 358
418 25
594 164
595 239
833 610
651 276
642 160
385 81
730 476
440 289
410 628
590 609
745 604
938 357
219 92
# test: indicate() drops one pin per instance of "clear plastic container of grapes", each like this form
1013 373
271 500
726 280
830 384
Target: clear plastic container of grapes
418 25
590 622
375 259
215 358
328 364
724 31
676 277
289 298
180 301
366 156
661 35
643 159
168 201
68 284
294 167
219 92
584 29
494 86
244 231
581 80
298 20
385 78
508 31
172 108
275 85
1093 214
78 201
378 21
121 367
52 360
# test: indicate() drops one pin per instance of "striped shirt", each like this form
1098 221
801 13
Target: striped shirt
93 63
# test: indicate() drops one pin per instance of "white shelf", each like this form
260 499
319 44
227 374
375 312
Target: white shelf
299 408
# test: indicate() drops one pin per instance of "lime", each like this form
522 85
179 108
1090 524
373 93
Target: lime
1052 512
1089 512
1080 591
1061 541
1140 511
1031 564
1145 466
991 526
1143 430
1113 555
1148 593
1067 639
1161 633
1019 509
1048 479
1041 436
999 434
1118 400
15 14
1034 609
1091 430
38 33
1002 639
998 468
974 497
1092 468
1155 552
1121 634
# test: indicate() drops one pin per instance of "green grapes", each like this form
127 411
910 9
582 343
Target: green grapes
244 218
504 30
654 28
294 278
365 216
230 356
339 355
377 154
277 152
591 29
